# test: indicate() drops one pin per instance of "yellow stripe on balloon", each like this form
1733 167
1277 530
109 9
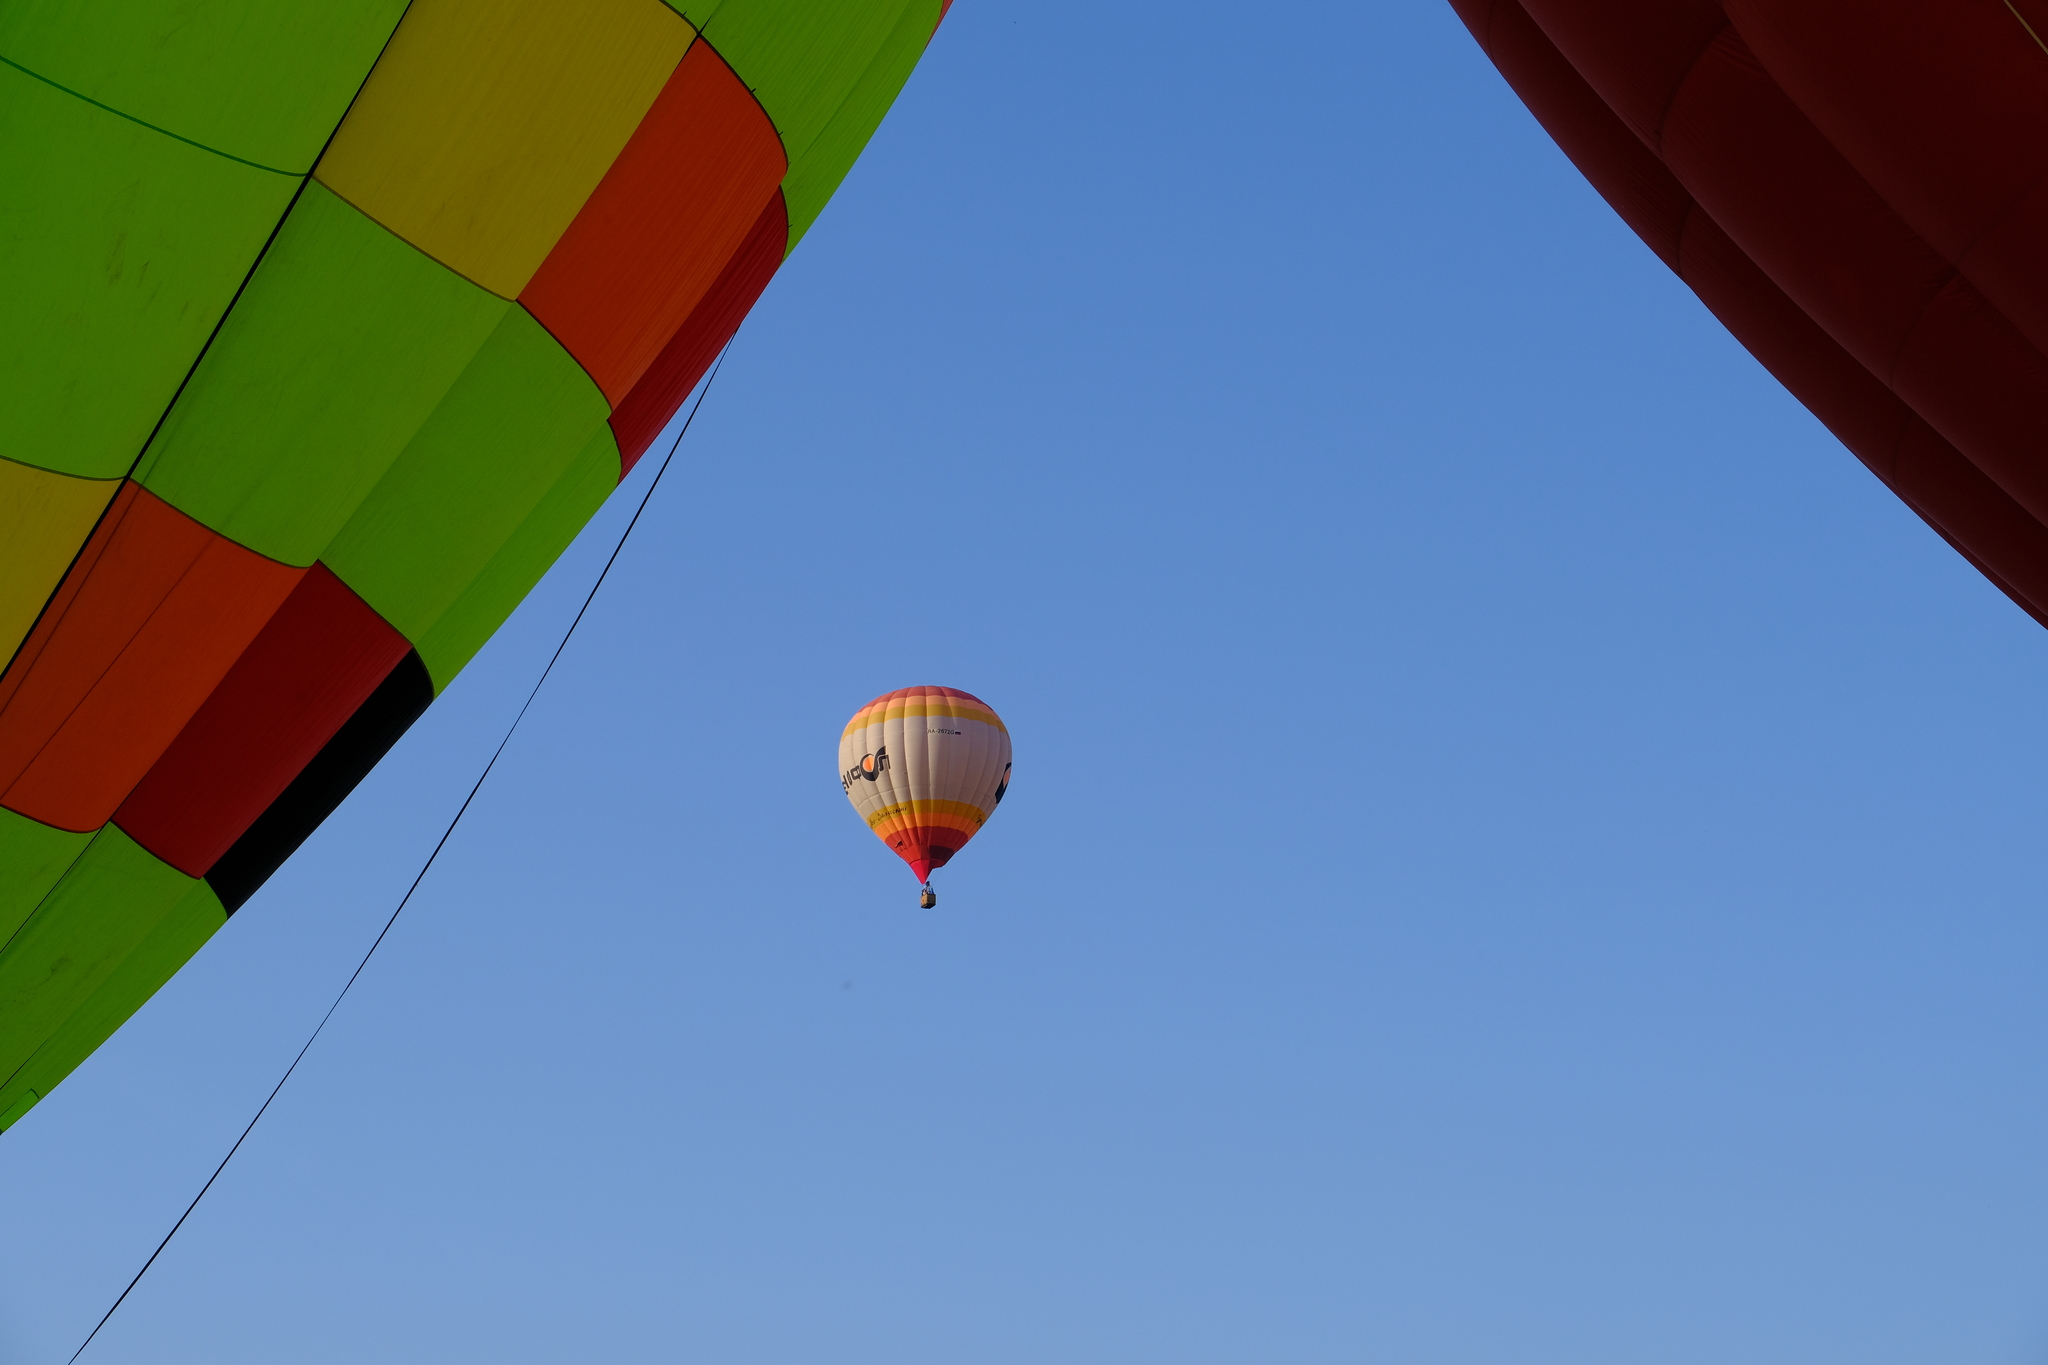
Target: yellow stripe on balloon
927 807
487 123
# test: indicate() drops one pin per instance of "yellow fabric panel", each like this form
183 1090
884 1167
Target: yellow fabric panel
488 122
44 518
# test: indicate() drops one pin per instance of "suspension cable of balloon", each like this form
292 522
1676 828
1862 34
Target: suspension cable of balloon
406 899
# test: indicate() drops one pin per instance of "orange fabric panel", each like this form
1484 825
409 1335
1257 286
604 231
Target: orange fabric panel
146 624
664 221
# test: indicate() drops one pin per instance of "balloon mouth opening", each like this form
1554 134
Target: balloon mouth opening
925 863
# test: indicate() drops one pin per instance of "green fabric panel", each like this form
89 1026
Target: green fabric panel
815 174
33 856
110 901
254 79
500 440
341 347
519 564
120 248
178 934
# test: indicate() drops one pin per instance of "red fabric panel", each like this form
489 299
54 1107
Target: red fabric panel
1633 53
922 845
1949 492
659 229
1820 232
147 622
668 381
322 653
1825 237
1939 106
1931 476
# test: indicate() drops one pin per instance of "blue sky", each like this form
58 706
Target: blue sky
1520 848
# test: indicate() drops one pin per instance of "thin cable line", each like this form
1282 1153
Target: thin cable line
645 498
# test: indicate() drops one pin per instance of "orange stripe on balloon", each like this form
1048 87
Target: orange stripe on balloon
873 715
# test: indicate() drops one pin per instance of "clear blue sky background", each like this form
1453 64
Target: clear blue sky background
1521 850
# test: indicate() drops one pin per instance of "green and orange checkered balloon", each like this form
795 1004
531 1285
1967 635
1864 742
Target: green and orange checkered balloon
324 326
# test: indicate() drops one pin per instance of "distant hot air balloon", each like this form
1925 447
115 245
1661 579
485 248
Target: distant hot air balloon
324 327
1859 192
925 767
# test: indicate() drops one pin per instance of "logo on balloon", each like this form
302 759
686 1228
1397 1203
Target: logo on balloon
869 769
1003 785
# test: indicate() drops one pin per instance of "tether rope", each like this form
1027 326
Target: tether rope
590 597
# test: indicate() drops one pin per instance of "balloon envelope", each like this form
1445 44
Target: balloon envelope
1859 193
925 767
324 327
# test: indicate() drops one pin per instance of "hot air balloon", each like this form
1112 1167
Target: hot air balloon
324 327
925 767
1859 193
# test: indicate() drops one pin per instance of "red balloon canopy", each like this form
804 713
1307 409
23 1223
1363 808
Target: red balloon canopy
1859 193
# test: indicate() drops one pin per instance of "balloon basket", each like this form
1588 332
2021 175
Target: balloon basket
927 898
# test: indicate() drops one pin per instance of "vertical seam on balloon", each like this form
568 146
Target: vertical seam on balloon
752 93
1951 280
41 902
264 253
1678 87
773 127
207 345
606 398
1486 38
79 554
460 274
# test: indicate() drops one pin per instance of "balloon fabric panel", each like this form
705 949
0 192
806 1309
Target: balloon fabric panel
809 62
1802 213
487 124
100 911
1877 323
35 856
180 933
502 583
1957 159
116 907
124 247
815 175
323 784
149 622
689 353
343 343
44 518
500 438
661 225
316 661
259 81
